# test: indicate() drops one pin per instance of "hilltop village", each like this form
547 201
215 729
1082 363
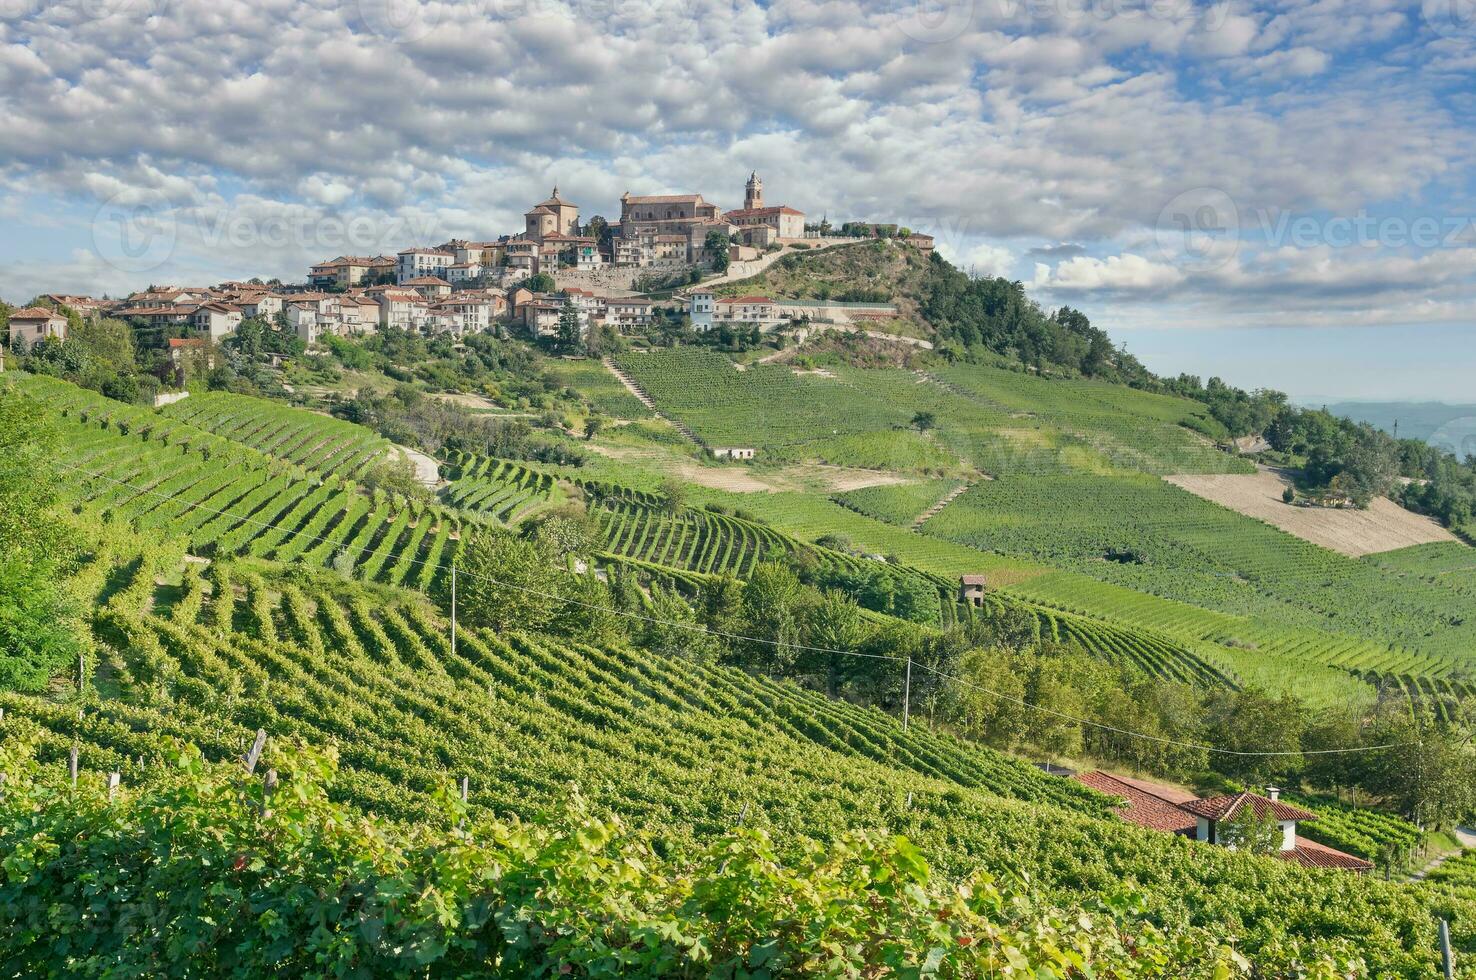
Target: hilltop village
557 276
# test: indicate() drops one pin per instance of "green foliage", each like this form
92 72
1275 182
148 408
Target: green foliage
513 583
1250 832
38 628
235 882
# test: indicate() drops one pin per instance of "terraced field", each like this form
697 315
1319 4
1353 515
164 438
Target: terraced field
317 442
503 489
223 498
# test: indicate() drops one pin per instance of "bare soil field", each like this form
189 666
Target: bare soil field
1385 526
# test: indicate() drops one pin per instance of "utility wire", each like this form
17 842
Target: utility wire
700 628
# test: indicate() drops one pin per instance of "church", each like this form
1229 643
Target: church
759 226
554 216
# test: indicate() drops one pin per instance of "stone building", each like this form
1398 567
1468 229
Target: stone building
554 216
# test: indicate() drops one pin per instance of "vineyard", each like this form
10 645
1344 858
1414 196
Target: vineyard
1370 834
316 442
208 656
987 420
900 503
1147 535
503 489
169 477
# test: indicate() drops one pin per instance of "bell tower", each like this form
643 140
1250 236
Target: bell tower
753 192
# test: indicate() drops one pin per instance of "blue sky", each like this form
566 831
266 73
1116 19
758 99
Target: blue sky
1277 192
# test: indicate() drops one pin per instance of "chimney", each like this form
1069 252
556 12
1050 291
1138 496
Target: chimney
1273 792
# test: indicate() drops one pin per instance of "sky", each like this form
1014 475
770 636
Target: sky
1280 193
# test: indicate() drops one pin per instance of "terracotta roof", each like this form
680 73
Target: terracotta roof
427 281
36 313
1225 807
1315 855
763 212
1144 808
186 342
974 579
1170 793
665 199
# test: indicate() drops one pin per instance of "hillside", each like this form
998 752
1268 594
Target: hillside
673 746
243 568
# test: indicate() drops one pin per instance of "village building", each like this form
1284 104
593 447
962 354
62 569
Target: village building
264 305
733 452
346 271
523 255
84 306
971 589
431 287
471 312
160 316
1174 811
463 273
399 307
759 226
760 311
701 305
30 326
415 263
554 216
683 219
216 320
628 311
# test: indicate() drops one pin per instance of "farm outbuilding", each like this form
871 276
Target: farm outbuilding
971 589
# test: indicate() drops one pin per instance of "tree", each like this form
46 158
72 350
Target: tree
673 495
592 426
511 583
772 601
716 244
923 421
39 635
1249 831
571 330
834 624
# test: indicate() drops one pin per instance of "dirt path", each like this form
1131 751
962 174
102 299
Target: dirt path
427 470
1467 837
1384 526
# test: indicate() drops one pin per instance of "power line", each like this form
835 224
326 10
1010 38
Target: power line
701 628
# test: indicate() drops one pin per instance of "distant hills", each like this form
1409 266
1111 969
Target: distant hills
1451 427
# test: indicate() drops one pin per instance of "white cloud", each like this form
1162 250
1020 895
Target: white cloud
1128 272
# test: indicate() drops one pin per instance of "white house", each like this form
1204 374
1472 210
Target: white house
628 311
431 287
760 310
216 320
587 256
416 263
399 307
463 272
701 304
